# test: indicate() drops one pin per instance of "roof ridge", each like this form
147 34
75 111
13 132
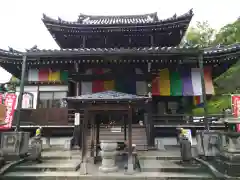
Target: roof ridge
141 18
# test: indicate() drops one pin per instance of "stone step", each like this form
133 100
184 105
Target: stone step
49 165
121 135
169 166
60 154
160 155
118 175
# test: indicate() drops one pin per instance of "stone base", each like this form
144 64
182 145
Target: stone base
108 169
229 168
14 144
207 142
83 168
2 162
231 157
130 169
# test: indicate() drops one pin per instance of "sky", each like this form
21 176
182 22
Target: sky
22 28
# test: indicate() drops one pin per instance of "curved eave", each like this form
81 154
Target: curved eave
164 51
175 21
35 54
230 51
9 61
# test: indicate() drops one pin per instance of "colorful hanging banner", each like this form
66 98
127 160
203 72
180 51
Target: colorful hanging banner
47 75
182 83
123 84
10 102
198 101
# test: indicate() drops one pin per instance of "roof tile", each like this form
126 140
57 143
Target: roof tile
107 96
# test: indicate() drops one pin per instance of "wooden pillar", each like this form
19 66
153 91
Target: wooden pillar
151 40
97 135
92 134
47 134
84 42
20 96
77 85
130 158
201 67
150 125
83 166
125 127
149 79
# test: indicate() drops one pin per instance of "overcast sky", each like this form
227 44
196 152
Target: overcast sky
21 25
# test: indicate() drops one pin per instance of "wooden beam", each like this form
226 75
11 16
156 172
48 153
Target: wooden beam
108 107
108 76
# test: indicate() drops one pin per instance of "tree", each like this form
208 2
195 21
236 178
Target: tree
201 35
228 34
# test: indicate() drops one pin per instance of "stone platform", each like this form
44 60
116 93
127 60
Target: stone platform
60 164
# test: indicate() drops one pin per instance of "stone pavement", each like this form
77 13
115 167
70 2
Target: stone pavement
165 140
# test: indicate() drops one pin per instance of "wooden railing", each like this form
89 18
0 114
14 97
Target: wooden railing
43 116
178 119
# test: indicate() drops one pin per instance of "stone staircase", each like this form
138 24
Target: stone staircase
168 165
55 163
60 164
139 136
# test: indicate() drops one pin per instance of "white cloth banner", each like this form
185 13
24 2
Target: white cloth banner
196 81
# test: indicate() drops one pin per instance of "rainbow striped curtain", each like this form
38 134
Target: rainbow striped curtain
182 83
47 75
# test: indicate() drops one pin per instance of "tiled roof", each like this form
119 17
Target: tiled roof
111 20
134 19
35 52
222 49
10 53
99 51
107 96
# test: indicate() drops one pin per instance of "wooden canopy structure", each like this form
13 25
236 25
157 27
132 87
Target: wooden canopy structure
104 101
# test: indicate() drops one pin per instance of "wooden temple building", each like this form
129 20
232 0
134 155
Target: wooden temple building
139 55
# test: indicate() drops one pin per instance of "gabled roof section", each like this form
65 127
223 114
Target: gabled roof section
111 20
107 96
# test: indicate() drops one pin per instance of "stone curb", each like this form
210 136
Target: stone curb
213 170
6 167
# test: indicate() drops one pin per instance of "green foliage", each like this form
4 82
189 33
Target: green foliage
228 82
215 105
201 35
228 34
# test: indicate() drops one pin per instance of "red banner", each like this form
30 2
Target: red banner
238 128
10 103
1 98
236 106
236 109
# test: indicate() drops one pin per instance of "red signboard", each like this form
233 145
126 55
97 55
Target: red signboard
1 98
10 102
236 105
236 109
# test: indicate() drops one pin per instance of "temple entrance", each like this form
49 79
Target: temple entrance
108 108
114 118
